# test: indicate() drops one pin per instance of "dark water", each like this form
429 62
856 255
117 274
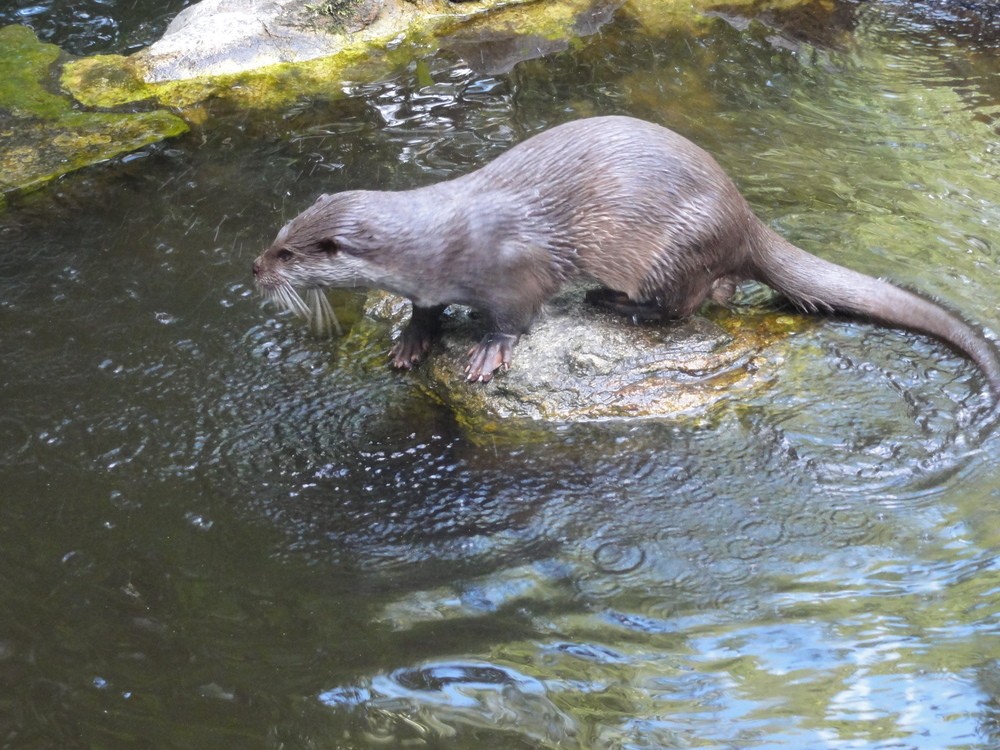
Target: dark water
94 27
217 530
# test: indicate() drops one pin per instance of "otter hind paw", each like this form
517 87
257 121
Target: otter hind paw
622 304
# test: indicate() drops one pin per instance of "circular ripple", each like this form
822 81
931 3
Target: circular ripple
597 587
744 549
763 531
614 558
731 571
850 519
805 525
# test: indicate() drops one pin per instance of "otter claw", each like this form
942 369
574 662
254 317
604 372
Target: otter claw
496 350
405 353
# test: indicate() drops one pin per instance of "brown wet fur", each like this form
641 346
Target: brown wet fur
637 208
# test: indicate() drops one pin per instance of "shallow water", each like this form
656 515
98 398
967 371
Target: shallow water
217 530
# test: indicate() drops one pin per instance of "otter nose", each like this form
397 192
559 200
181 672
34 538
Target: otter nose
257 267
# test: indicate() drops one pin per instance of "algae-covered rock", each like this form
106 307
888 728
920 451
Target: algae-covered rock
266 53
42 135
112 80
300 50
222 37
579 363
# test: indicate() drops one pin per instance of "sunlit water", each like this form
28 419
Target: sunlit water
218 530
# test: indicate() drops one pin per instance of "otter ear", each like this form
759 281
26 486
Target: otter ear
323 197
329 246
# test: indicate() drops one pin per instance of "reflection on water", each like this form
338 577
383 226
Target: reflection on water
453 700
93 27
218 530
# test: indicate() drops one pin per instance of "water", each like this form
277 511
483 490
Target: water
217 530
94 27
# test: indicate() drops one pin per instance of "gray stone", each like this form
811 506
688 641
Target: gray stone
579 363
225 37
218 37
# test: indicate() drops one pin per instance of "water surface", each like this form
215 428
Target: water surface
220 531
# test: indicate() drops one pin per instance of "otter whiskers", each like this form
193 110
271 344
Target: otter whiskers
324 319
315 309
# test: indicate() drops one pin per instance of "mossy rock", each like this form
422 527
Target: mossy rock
301 48
271 78
43 134
582 364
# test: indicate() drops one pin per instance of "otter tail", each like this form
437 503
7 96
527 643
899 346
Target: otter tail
814 284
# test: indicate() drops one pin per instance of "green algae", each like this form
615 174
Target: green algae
24 64
45 150
105 81
111 80
43 135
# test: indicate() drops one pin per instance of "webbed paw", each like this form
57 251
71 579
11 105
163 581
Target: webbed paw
496 350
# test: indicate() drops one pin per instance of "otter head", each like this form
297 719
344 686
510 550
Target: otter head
316 250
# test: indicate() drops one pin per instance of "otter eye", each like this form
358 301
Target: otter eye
284 255
330 247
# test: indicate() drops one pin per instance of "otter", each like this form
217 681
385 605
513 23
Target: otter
630 205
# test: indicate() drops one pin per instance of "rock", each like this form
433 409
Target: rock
218 50
220 37
495 48
579 363
43 135
223 37
211 44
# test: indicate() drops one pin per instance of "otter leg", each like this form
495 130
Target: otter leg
723 288
417 337
667 305
621 303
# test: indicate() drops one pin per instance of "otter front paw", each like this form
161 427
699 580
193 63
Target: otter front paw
409 350
417 336
494 351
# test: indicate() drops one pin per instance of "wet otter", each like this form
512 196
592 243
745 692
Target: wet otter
631 205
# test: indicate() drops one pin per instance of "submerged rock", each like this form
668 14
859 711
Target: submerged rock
580 363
